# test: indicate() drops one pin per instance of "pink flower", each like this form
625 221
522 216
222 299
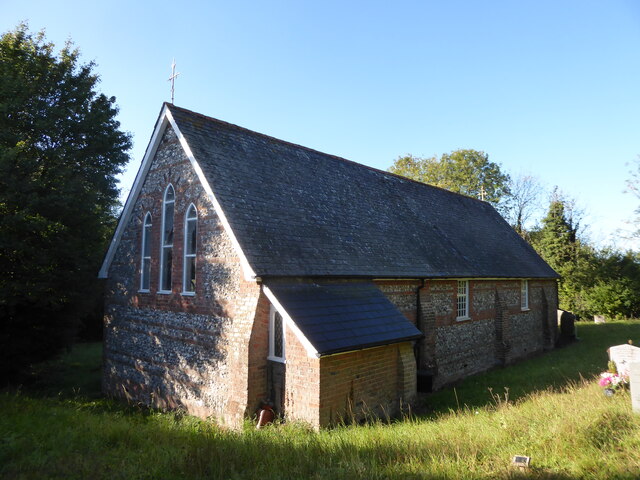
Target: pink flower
612 380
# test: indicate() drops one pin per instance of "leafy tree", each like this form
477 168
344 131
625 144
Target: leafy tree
60 147
616 281
463 171
592 281
612 297
557 242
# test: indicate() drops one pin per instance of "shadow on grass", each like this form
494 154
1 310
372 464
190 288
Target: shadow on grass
77 372
74 379
62 435
51 440
553 370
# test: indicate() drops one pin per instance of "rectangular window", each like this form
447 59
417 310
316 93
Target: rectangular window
276 336
462 304
524 295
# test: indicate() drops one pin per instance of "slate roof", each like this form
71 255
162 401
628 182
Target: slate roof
299 212
344 316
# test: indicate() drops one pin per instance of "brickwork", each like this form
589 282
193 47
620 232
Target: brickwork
174 350
258 349
302 387
368 382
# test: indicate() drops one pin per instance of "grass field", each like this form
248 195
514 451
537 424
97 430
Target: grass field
549 408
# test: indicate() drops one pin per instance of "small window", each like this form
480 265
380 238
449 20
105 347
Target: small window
462 304
166 249
145 264
190 242
276 336
524 295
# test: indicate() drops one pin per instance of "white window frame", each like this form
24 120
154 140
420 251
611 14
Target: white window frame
465 296
187 256
524 295
164 246
145 256
272 318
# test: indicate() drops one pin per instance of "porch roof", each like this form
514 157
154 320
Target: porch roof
343 316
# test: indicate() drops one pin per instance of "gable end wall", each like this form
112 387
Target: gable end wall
174 350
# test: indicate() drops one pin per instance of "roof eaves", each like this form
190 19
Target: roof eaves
384 276
365 346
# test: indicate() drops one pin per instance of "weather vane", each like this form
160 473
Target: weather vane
172 78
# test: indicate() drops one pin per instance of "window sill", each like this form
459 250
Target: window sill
164 292
144 291
276 359
188 294
462 319
525 309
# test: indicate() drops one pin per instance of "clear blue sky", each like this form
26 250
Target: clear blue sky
549 88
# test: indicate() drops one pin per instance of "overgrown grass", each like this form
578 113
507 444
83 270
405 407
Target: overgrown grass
560 419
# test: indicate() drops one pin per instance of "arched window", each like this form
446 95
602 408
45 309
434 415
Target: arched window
190 242
145 264
166 248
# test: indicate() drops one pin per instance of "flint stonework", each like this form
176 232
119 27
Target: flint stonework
359 269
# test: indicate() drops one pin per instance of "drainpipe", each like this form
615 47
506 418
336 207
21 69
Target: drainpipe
424 376
417 347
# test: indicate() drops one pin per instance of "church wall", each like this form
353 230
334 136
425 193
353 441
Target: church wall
365 384
174 350
498 332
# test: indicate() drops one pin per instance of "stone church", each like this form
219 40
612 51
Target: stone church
247 269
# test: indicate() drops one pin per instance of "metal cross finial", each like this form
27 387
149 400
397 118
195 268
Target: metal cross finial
172 78
483 193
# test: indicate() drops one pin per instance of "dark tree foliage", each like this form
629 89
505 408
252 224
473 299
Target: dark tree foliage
557 239
557 242
60 148
593 281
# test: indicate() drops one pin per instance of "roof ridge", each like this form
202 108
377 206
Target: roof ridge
336 157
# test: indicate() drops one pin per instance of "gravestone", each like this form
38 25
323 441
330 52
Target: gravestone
634 380
624 356
566 320
598 318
